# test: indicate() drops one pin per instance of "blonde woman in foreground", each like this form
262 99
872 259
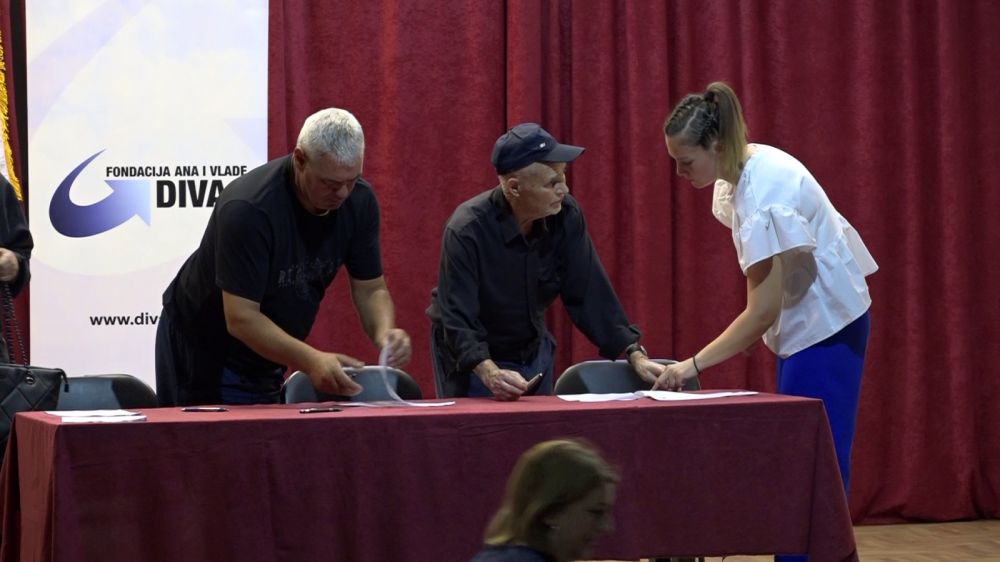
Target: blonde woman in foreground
558 503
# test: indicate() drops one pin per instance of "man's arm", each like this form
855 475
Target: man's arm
593 305
247 323
378 317
458 300
588 295
647 369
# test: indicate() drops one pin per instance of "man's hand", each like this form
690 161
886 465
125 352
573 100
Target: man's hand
676 375
8 265
327 374
647 370
398 343
504 384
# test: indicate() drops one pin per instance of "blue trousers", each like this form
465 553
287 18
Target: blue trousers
831 371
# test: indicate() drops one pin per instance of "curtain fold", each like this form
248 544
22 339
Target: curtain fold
889 104
11 38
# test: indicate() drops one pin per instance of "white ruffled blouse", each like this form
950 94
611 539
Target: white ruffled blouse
778 208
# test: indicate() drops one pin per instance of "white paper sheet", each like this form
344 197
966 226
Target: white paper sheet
663 395
668 395
97 416
608 397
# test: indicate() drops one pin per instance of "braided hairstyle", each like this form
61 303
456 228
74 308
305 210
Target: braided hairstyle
714 116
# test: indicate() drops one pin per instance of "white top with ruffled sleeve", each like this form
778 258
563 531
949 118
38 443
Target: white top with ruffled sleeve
778 208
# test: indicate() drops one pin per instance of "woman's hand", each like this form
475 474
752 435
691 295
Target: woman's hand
676 375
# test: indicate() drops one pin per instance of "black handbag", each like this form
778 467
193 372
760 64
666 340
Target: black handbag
23 387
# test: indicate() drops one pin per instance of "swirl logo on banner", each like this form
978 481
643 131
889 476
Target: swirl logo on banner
140 112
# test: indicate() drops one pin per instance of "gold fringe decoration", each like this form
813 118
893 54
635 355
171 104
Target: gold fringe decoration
4 113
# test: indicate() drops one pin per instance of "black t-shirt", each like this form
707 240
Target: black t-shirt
262 245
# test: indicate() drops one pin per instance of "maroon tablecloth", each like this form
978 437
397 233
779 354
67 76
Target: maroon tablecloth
747 475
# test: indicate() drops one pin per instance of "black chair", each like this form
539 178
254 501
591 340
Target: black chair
298 387
606 377
603 377
105 392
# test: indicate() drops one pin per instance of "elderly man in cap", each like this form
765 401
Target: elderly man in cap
506 254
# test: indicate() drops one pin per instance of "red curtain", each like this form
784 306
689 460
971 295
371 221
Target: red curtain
890 104
11 21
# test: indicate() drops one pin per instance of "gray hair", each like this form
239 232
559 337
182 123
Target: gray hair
335 132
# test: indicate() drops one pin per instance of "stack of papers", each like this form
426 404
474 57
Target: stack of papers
98 416
654 394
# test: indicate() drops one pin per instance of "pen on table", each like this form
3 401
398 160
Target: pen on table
533 382
319 410
204 409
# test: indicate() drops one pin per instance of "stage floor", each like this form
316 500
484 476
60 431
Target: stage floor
966 541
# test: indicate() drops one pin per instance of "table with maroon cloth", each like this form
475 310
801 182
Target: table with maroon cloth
740 475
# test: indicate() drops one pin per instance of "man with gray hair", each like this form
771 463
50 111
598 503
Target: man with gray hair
238 311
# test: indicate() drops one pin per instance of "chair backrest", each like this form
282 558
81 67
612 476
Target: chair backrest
602 377
298 387
105 392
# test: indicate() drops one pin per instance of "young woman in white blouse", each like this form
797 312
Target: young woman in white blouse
804 263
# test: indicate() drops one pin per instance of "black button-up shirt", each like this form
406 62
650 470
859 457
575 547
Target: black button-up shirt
494 284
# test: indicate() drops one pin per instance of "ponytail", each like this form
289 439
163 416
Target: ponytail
710 117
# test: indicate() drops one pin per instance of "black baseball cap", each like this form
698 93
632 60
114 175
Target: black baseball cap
528 143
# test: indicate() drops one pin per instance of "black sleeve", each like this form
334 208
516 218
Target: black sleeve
588 295
242 250
458 300
16 236
364 259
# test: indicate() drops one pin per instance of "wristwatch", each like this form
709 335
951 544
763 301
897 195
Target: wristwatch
632 349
